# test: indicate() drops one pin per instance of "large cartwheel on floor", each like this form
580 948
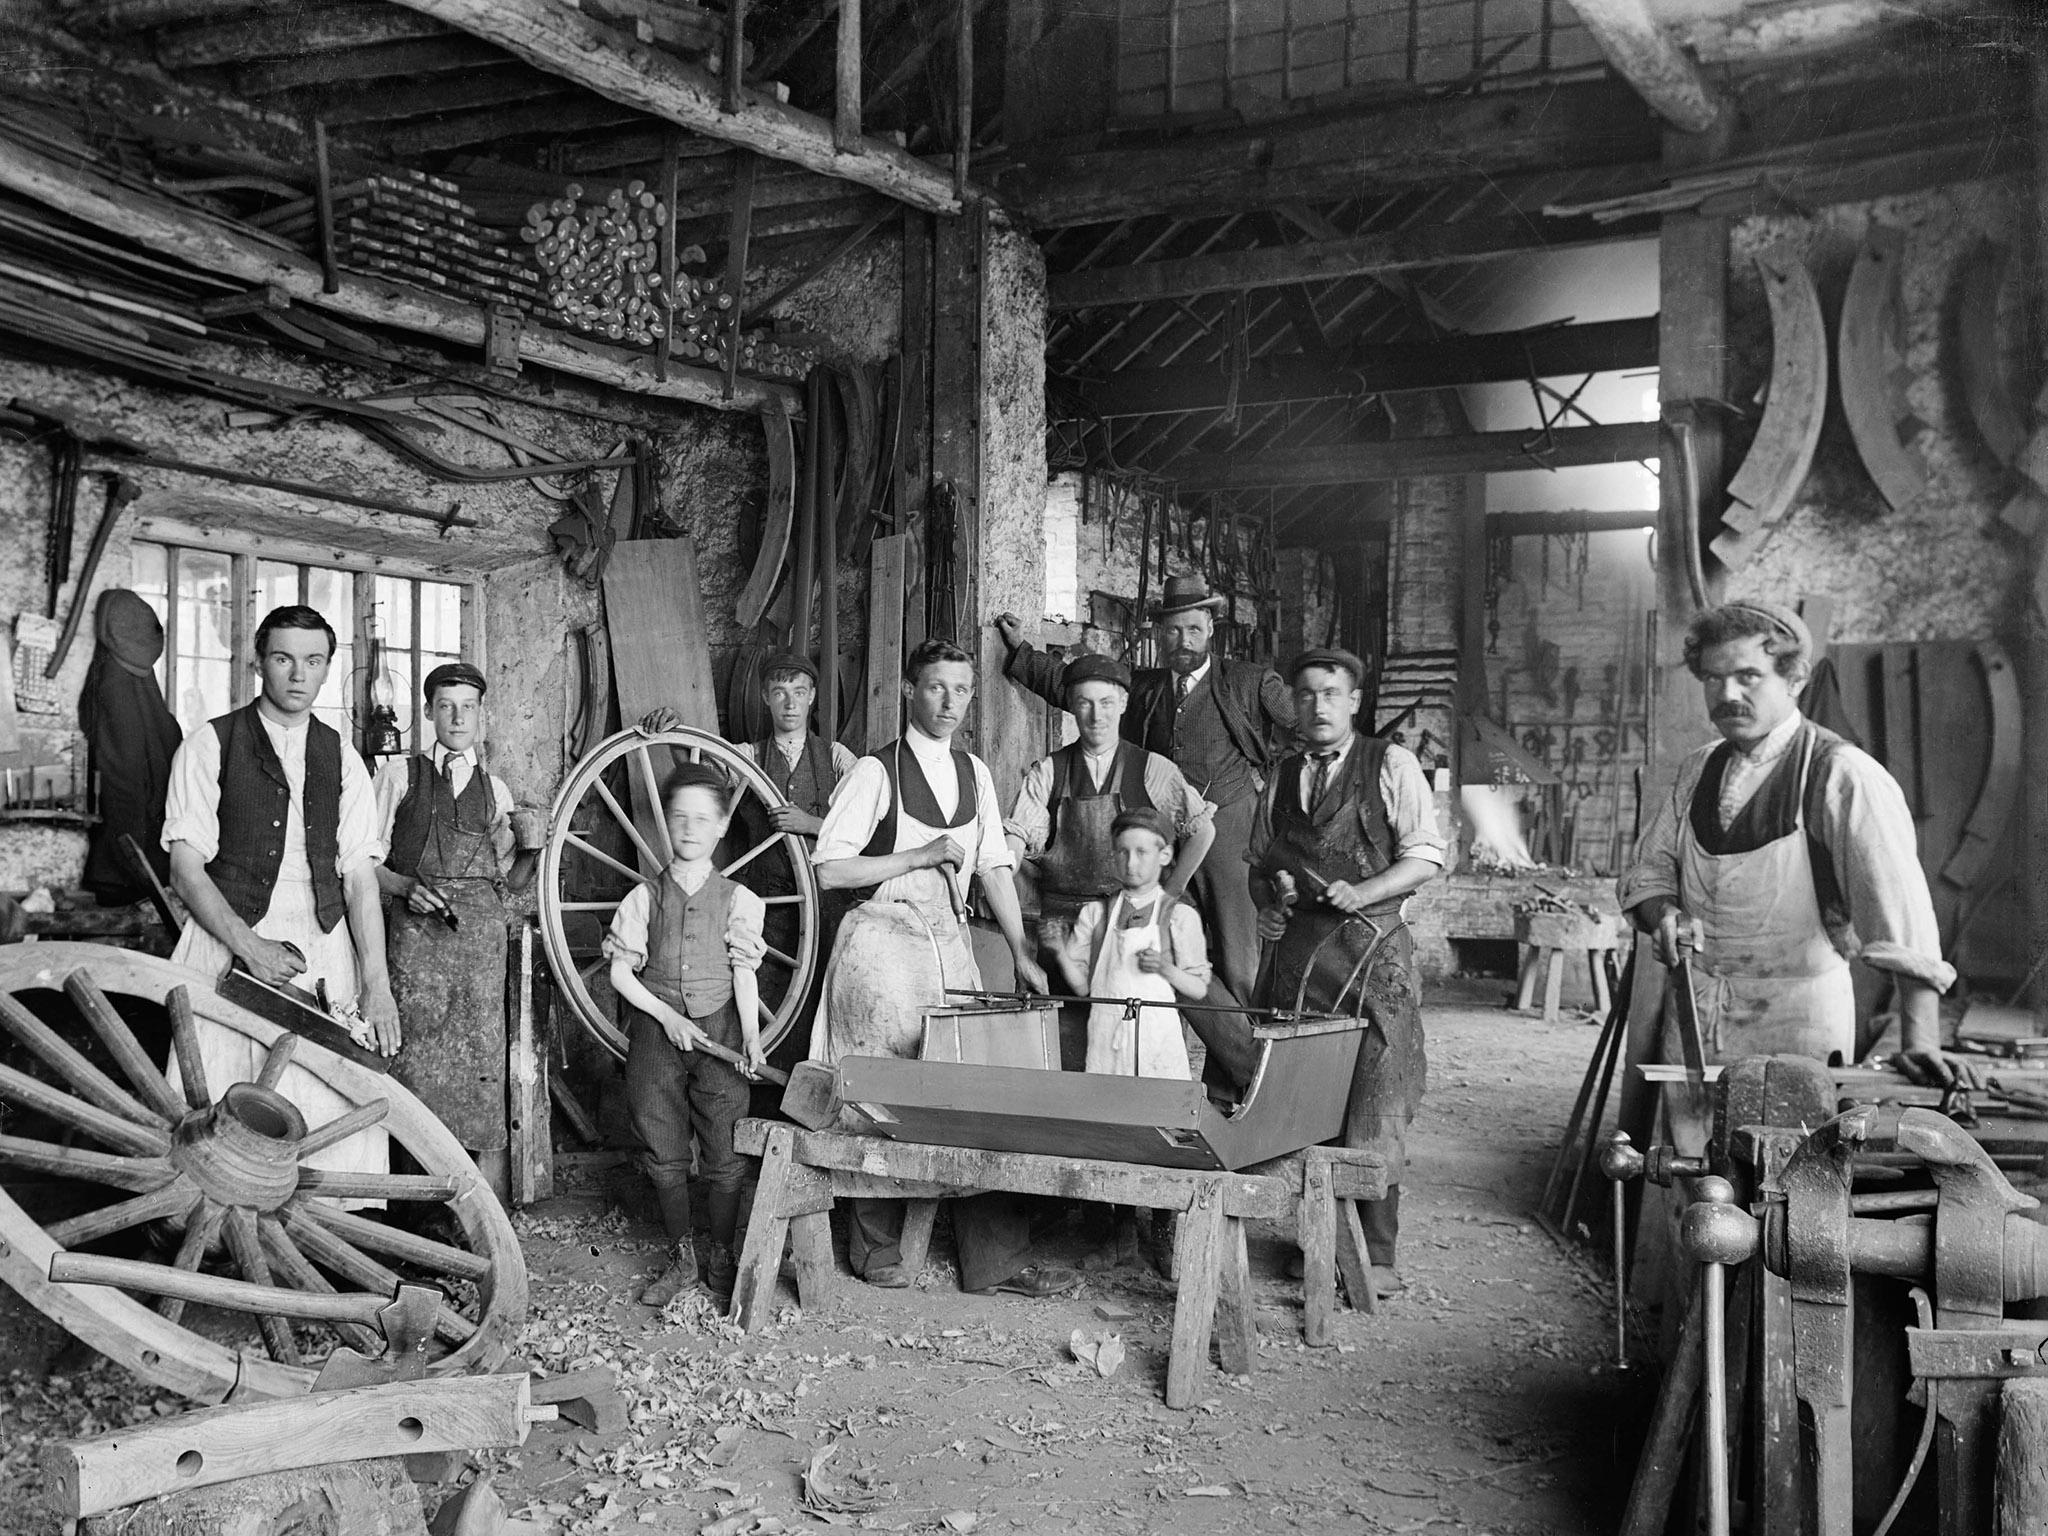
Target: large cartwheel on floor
221 1165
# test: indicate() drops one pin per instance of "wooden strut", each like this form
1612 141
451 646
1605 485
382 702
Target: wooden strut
1778 460
1870 355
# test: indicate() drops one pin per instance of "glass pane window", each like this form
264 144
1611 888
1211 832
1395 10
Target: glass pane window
421 625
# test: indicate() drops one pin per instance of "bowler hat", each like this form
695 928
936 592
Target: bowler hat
1091 668
1185 592
448 675
1330 657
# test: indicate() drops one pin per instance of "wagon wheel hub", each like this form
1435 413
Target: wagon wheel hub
244 1149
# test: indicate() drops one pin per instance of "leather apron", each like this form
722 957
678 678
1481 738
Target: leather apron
449 984
1151 1045
1768 979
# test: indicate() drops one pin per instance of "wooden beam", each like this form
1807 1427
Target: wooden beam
1415 457
421 56
846 102
392 101
212 245
1555 129
1648 58
1328 260
1605 346
288 32
963 94
549 115
1518 523
612 63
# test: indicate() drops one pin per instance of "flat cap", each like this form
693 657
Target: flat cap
1151 820
448 674
1331 657
1779 617
789 661
1091 668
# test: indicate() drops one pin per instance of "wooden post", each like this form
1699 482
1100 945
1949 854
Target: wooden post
2022 1459
958 273
963 64
914 462
846 106
1198 1252
1318 1253
323 203
530 1142
2034 712
735 55
739 229
670 169
885 640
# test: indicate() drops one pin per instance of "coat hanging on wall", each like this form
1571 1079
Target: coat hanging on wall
131 735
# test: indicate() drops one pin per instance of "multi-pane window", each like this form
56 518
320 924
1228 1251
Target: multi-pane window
210 602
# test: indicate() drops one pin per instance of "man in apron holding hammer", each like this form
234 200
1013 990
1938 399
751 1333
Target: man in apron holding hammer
1781 852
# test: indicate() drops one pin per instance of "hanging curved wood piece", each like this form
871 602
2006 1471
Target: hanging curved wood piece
779 519
1870 351
1778 460
1992 813
2001 420
233 1166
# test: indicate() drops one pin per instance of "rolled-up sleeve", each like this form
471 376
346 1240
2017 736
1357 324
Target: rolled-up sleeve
1411 807
1190 948
358 837
994 850
1170 791
1031 820
855 812
1868 830
192 798
626 938
1654 871
743 927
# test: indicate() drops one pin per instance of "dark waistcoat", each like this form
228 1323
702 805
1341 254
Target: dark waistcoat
1345 835
807 783
255 801
433 830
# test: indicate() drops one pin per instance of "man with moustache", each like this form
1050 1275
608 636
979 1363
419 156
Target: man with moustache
1346 830
1222 723
1781 852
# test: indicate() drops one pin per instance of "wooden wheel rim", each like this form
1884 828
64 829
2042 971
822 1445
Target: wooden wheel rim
169 1354
588 775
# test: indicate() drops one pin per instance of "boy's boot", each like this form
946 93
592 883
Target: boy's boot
680 1276
721 1270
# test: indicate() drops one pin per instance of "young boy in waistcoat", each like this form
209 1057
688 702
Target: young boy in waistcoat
679 949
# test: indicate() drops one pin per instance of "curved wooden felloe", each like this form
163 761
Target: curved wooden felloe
779 519
2000 794
593 846
250 1193
1778 460
1870 352
2000 419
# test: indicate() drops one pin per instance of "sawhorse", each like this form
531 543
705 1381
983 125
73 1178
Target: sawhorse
803 1172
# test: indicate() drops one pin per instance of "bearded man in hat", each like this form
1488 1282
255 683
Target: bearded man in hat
1346 830
1065 809
1781 852
1222 723
452 858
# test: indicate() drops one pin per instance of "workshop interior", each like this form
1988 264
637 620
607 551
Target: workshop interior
872 643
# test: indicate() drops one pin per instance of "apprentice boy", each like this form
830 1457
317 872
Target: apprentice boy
683 951
449 860
271 825
1346 830
1142 943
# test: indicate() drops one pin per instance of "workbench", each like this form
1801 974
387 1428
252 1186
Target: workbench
804 1172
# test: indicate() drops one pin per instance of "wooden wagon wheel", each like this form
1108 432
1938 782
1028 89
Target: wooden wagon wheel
224 1159
598 850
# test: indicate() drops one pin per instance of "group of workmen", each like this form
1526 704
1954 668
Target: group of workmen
1220 835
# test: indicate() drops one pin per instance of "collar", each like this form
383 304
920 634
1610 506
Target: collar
1342 749
1773 746
793 748
283 728
1197 675
929 751
441 757
689 876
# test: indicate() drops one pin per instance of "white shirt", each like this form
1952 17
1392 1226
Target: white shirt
192 801
793 751
1747 770
394 778
1183 686
863 799
627 935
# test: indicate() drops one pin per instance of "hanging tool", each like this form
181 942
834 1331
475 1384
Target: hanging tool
65 454
120 491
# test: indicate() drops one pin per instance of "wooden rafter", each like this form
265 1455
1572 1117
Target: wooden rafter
1410 458
603 59
420 56
1649 58
287 33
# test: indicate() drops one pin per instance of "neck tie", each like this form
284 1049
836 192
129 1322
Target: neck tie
448 772
1183 685
1320 784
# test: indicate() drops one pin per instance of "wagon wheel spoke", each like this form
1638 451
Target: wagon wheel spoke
361 1118
584 845
64 1059
111 1129
423 1251
185 1046
351 1263
593 968
176 1198
777 955
753 853
294 1266
611 803
201 1228
327 1184
780 901
127 1051
247 1248
279 1056
590 906
137 1173
643 770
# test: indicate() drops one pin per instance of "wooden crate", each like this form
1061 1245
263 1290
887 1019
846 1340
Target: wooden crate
994 1037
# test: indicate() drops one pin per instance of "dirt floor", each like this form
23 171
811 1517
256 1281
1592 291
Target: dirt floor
1481 1399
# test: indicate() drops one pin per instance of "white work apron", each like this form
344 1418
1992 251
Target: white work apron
1768 979
1152 1044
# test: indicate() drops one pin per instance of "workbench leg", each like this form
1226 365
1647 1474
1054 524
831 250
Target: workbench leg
1553 985
817 1271
1198 1254
785 1190
916 1241
1603 1001
1237 1329
1318 1252
1354 1260
1525 984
